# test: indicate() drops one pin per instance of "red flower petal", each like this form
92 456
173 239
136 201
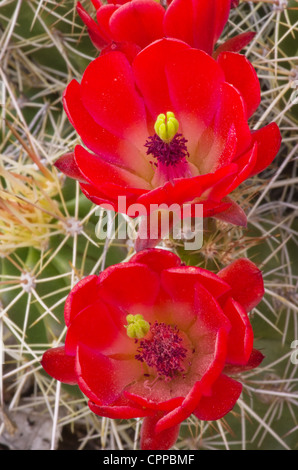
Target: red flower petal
209 332
268 140
185 190
59 365
209 358
246 281
98 172
232 112
254 361
149 402
99 140
129 49
97 3
195 101
235 44
163 396
225 393
245 163
96 35
240 339
109 95
96 328
222 11
103 379
187 20
219 149
256 358
240 73
118 2
175 417
139 22
180 282
157 260
233 215
180 302
150 440
84 293
212 208
67 165
107 196
119 412
98 197
209 313
124 285
103 16
150 74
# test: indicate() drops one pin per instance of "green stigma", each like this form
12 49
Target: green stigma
166 126
137 327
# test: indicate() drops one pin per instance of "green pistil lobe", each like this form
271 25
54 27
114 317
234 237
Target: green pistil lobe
137 327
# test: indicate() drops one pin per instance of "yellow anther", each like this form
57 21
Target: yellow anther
166 126
137 327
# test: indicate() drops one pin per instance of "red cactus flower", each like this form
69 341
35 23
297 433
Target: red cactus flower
170 128
131 25
155 339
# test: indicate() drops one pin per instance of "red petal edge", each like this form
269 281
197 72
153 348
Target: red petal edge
60 366
164 440
254 361
225 393
246 282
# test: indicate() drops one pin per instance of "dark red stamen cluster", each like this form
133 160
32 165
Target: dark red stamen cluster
163 350
167 153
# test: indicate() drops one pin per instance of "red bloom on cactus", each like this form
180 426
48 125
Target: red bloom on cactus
170 128
155 339
134 24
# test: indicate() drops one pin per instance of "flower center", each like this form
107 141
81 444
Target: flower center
162 350
167 146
